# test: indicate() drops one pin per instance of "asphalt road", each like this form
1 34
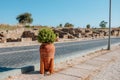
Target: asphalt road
16 57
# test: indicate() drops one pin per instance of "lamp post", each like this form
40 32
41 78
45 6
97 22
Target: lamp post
109 41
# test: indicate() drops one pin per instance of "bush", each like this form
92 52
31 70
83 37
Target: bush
27 26
46 35
88 26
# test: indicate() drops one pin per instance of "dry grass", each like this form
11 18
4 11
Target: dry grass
4 27
7 27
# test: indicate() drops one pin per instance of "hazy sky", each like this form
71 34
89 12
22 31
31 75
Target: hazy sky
55 12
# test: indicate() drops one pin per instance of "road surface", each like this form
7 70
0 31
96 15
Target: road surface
17 57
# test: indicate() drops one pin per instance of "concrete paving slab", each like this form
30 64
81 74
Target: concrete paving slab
87 67
95 62
58 76
5 74
102 59
27 77
75 72
106 56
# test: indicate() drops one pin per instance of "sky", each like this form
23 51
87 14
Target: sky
55 12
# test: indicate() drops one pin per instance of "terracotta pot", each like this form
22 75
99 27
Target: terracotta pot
47 52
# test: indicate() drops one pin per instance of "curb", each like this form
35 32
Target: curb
27 69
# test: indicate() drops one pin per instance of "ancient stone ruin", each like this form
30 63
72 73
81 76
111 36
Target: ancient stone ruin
71 33
23 35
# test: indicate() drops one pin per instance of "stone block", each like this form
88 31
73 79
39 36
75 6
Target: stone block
87 67
59 76
95 62
27 69
77 72
26 39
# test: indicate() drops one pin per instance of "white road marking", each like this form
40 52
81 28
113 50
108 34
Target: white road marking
19 51
28 50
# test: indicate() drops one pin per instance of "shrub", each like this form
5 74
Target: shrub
46 35
88 26
68 25
27 26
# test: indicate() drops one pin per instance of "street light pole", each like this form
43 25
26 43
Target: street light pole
109 41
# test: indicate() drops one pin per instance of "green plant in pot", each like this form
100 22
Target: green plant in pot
47 50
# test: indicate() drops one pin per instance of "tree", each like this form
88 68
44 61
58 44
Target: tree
103 24
68 25
24 18
88 26
60 25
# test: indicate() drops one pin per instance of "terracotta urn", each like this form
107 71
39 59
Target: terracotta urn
46 37
47 52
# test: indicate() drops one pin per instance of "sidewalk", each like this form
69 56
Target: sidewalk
112 72
82 71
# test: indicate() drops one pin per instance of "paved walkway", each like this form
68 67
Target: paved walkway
104 67
112 72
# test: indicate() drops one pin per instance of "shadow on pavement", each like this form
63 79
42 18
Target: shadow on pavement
3 69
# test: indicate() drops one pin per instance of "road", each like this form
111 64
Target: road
16 57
